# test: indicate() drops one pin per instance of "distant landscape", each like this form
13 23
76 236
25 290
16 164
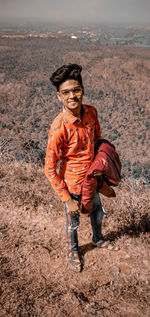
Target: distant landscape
85 34
35 278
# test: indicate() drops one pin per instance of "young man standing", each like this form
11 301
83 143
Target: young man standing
73 135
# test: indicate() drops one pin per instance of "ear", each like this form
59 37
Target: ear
59 96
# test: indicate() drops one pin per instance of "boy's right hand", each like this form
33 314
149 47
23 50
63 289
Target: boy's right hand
73 206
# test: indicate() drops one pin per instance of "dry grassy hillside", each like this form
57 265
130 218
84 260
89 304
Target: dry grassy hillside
35 278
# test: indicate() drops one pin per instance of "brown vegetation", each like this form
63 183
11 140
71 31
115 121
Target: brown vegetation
35 277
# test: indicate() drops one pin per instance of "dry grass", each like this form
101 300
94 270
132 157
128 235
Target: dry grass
25 185
35 277
130 209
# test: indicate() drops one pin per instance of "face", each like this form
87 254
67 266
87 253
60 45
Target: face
71 94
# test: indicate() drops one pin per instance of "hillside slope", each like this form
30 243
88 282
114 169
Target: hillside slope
35 277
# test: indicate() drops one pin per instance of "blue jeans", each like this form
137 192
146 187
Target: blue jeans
72 223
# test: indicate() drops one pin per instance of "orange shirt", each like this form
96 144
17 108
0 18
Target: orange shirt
71 143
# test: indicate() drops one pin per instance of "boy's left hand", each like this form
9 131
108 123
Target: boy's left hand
97 173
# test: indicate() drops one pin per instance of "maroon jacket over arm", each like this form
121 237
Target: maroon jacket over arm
108 163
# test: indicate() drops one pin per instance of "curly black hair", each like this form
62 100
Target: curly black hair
71 71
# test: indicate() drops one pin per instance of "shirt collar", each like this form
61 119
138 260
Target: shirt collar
71 117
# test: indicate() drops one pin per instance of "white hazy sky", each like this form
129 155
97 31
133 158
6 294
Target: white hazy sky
113 11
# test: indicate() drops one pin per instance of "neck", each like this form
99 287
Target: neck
75 112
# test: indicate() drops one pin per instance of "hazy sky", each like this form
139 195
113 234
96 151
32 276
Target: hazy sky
113 11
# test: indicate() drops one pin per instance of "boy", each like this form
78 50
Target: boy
72 138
